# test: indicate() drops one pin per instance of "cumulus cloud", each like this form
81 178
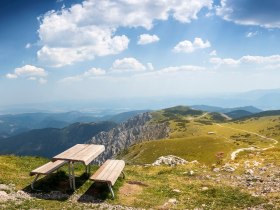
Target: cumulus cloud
189 47
263 13
127 64
147 39
30 72
266 61
87 30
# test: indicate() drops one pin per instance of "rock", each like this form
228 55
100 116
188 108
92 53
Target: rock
3 193
216 169
204 188
189 173
4 187
133 131
249 172
228 168
170 160
176 191
172 201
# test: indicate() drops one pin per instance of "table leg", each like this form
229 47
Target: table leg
70 174
73 176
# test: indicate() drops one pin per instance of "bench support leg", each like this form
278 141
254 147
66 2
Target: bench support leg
73 176
111 190
32 184
88 169
70 174
123 175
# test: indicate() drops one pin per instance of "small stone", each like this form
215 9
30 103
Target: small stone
3 193
172 200
216 169
249 172
204 188
176 191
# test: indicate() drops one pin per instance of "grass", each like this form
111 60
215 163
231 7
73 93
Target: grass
202 149
150 187
189 132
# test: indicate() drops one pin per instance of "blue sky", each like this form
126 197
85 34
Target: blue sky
54 50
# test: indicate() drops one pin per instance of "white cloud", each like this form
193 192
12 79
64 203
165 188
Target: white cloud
147 39
91 73
150 66
251 34
87 30
224 61
174 69
29 71
11 76
213 53
127 64
265 61
189 47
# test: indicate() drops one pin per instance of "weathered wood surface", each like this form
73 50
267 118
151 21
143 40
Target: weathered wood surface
109 172
48 167
84 153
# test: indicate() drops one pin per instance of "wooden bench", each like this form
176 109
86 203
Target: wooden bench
46 169
109 173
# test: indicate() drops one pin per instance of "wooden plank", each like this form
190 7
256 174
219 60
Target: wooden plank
116 171
103 175
87 154
103 169
68 154
48 167
100 149
109 171
104 165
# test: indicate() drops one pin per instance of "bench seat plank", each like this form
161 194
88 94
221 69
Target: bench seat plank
48 167
109 172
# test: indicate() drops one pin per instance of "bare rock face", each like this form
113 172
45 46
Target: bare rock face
133 131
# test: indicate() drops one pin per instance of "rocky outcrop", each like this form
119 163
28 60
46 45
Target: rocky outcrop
170 160
133 131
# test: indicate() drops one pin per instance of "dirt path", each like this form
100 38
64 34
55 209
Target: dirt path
236 152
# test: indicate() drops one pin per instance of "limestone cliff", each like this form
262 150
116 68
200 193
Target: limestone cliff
133 131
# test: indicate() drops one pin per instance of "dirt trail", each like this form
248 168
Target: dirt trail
236 152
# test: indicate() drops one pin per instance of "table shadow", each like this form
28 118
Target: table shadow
54 186
96 193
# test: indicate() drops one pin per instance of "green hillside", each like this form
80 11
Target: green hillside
197 135
202 149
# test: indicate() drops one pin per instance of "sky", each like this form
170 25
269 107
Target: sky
54 50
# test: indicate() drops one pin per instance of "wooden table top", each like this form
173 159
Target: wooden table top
84 153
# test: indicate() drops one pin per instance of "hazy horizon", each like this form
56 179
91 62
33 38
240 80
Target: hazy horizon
91 50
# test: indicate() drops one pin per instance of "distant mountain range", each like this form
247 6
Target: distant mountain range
50 141
249 109
11 125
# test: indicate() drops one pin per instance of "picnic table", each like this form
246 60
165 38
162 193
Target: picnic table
84 153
